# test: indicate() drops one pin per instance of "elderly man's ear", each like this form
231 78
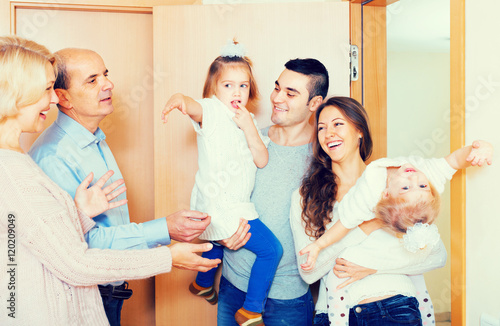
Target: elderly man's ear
64 98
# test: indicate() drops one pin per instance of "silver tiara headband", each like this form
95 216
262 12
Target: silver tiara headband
232 49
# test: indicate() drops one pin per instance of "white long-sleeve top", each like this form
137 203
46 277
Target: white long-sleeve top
55 276
226 171
385 253
358 204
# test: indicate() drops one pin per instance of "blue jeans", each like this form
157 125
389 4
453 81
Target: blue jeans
321 319
264 244
396 310
113 309
294 312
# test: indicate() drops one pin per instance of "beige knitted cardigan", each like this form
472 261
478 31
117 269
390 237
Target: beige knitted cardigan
48 275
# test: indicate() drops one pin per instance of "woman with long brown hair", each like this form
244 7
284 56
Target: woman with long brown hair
341 148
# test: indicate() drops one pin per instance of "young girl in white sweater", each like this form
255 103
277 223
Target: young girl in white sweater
230 149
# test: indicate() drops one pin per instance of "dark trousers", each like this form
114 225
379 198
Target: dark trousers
112 299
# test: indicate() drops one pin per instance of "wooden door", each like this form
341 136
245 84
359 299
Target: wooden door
125 42
186 40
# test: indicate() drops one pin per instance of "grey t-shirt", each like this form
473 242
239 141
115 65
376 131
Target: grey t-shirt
274 185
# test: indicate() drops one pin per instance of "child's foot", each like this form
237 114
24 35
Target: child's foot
208 293
248 318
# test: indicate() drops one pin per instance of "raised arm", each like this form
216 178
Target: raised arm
66 174
479 153
186 105
245 122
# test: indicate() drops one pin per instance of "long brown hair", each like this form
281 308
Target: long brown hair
319 187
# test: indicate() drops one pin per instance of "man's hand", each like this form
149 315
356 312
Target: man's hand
96 200
185 226
344 268
239 238
184 257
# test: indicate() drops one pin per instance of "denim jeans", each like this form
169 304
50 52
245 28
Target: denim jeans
264 244
396 310
321 319
113 309
294 312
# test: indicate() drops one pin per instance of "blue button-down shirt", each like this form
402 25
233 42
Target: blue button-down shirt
67 153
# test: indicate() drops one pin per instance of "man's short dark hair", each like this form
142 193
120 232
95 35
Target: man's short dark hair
317 73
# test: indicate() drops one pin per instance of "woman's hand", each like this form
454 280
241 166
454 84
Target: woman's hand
96 200
344 268
184 257
239 238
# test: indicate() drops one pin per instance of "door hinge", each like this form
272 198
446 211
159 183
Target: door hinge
353 62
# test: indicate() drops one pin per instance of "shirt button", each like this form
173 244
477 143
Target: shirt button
358 309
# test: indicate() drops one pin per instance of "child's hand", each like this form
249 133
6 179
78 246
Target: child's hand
481 152
175 102
313 251
242 117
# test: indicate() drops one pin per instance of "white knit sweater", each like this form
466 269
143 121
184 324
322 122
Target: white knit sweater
226 171
53 273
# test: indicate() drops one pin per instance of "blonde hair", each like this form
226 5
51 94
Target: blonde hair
23 76
397 214
217 68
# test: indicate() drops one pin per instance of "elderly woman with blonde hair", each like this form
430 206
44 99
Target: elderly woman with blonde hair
52 275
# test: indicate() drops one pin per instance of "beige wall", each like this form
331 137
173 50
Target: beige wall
418 88
482 94
4 17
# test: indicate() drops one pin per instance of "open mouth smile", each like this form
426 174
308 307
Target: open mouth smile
334 144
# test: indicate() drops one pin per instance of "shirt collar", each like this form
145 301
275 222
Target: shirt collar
77 132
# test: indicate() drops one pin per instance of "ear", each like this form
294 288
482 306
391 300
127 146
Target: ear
64 98
315 102
385 193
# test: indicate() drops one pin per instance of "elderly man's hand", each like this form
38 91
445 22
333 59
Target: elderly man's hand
185 225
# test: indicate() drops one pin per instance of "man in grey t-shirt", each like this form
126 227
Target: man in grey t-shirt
298 92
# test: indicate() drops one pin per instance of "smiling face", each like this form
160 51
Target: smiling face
31 118
88 97
233 87
408 183
337 136
290 99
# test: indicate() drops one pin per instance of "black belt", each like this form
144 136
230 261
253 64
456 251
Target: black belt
116 292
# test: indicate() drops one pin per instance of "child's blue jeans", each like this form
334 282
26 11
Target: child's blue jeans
264 244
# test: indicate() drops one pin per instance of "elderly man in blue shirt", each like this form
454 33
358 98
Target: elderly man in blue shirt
74 145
